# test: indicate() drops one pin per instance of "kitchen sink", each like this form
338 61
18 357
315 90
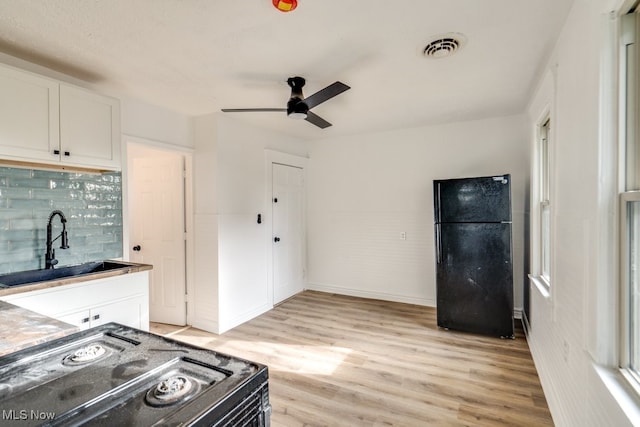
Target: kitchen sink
44 275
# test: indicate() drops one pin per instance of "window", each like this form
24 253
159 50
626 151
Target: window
630 275
545 207
541 207
630 200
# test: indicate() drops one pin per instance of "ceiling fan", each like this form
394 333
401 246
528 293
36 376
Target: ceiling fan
298 106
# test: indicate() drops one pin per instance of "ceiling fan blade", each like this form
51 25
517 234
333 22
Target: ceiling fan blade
324 94
317 120
249 110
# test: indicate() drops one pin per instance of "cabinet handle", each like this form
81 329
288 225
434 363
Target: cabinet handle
96 317
67 153
56 152
85 320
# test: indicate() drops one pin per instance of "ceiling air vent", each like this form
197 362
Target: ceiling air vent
443 45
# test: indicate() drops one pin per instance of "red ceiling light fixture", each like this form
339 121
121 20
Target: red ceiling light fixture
285 5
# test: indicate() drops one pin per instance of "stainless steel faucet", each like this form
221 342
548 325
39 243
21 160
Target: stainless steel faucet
50 257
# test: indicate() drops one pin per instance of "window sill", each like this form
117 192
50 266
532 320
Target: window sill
621 391
541 284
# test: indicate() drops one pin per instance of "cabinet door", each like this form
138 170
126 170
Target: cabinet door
126 312
29 127
89 128
81 319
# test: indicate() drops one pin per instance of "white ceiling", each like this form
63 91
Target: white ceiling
197 56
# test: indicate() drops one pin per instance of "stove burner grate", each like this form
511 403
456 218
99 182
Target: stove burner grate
172 390
85 354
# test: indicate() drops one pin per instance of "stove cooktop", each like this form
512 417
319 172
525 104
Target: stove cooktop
116 374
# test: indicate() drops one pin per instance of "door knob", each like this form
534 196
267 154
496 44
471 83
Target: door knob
136 248
276 239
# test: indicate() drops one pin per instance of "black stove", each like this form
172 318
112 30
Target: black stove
116 375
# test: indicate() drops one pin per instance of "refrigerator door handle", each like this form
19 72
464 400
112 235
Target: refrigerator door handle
438 244
437 203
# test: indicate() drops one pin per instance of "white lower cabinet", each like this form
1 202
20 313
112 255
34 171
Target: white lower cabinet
123 299
127 312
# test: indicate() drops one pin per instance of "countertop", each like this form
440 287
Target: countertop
22 328
130 268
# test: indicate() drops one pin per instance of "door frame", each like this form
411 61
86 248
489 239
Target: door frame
187 153
285 159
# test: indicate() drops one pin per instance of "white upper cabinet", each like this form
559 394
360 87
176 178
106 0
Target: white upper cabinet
29 111
89 128
45 121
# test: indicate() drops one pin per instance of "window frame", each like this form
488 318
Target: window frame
627 344
629 186
544 182
542 204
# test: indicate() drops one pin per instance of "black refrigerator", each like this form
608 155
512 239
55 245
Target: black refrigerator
474 272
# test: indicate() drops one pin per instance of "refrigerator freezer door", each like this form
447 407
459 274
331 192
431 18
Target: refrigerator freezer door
486 199
475 278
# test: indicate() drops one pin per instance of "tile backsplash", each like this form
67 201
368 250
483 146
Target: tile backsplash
91 203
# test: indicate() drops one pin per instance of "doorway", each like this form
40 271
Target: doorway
157 226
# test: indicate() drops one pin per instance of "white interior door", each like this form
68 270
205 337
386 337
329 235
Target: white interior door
157 203
288 260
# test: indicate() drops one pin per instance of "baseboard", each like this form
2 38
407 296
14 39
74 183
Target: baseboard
244 317
525 324
323 287
206 325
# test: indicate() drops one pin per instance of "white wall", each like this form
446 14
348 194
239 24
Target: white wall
230 182
151 122
204 313
364 190
573 330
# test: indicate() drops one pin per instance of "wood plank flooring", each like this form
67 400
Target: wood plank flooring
345 361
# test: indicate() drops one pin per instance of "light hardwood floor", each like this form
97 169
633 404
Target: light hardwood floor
344 361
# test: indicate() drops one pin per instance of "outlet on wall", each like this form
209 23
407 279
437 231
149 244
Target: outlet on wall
403 235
